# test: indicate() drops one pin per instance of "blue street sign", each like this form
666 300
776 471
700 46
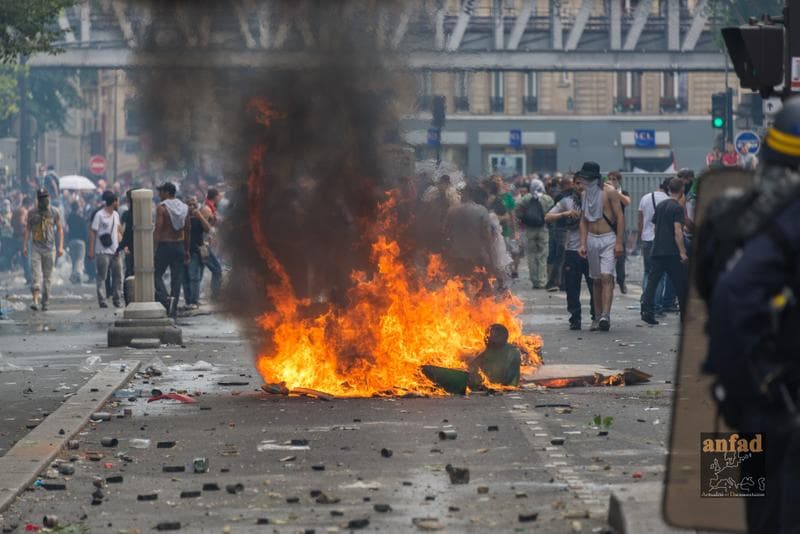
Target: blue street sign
515 138
749 140
644 138
434 137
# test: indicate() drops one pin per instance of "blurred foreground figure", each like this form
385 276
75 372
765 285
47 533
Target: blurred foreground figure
749 254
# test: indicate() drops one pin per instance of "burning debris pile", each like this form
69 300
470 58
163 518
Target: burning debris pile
322 231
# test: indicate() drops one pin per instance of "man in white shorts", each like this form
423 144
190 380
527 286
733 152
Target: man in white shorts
602 231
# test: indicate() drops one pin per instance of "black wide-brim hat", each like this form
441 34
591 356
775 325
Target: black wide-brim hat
590 171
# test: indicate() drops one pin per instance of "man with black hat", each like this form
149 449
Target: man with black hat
44 224
602 232
171 239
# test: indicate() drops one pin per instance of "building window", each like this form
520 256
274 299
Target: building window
497 103
425 91
133 117
674 92
544 160
462 91
628 89
530 102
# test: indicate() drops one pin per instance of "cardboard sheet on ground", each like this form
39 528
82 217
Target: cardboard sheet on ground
576 375
693 409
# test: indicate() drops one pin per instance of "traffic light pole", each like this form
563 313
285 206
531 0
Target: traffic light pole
728 136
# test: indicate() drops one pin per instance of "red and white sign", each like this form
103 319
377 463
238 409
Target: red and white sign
97 165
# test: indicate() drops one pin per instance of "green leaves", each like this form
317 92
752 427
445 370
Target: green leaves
29 27
604 422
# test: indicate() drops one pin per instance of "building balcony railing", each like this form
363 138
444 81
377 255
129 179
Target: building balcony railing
673 105
497 104
625 104
461 103
530 104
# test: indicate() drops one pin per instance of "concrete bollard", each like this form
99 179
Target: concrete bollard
143 266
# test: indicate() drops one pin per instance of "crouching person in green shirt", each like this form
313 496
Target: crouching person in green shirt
499 363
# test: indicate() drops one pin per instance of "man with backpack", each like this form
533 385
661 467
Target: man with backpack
531 210
105 233
46 236
748 256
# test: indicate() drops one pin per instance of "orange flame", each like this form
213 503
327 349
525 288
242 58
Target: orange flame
398 320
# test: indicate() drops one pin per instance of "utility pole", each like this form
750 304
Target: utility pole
116 147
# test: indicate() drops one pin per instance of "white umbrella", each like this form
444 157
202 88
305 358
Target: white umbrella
75 182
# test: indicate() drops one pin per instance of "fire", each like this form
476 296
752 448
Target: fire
399 318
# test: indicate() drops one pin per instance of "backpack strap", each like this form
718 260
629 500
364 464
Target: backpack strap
653 199
613 225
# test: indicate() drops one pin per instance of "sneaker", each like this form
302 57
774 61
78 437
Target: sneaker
595 326
649 318
44 306
623 288
604 324
103 305
35 307
574 326
552 289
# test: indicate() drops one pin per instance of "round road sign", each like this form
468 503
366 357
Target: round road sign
749 140
97 165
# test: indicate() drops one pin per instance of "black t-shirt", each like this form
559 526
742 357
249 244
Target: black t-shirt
78 227
195 234
127 234
667 214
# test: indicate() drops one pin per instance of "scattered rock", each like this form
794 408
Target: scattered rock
430 497
493 428
54 486
262 521
521 495
293 500
453 509
50 521
358 523
325 499
101 416
233 489
299 442
386 453
318 467
382 508
557 441
190 494
427 523
528 518
168 525
174 468
116 479
337 513
577 514
210 486
66 469
602 433
165 444
147 497
73 444
109 442
483 490
458 475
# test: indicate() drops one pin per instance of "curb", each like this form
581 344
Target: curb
638 509
20 466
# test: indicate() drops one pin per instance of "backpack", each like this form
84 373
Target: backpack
532 215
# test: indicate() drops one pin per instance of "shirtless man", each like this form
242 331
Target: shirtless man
602 231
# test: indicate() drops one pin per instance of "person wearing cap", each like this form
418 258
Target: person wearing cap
754 321
602 232
171 240
105 233
46 236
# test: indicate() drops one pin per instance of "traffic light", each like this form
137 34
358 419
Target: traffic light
756 52
719 113
439 105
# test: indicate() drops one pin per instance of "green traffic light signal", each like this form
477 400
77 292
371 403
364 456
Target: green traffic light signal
718 122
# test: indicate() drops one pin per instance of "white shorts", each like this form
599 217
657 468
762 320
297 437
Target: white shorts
600 253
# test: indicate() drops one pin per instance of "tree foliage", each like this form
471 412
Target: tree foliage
51 93
29 27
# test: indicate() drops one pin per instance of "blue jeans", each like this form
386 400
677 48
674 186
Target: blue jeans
193 277
665 292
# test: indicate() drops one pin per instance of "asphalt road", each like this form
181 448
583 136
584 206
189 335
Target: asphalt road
515 472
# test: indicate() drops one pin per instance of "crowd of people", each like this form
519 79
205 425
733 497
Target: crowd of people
571 229
93 230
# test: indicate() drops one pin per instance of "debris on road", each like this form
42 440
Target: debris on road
185 399
458 475
147 497
233 489
101 416
210 486
528 518
168 525
386 453
493 428
139 443
165 444
447 434
382 508
294 445
174 468
427 523
358 523
557 441
200 465
109 442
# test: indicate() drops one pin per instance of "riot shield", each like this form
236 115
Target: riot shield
694 412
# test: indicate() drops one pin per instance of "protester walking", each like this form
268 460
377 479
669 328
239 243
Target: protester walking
46 235
105 234
171 239
126 245
567 211
669 253
602 232
531 210
199 254
615 180
209 211
77 238
19 221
